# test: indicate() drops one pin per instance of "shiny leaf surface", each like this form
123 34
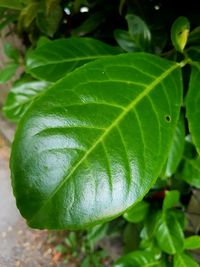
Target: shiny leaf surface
53 60
93 144
171 199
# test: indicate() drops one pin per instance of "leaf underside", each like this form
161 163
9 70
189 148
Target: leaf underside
91 152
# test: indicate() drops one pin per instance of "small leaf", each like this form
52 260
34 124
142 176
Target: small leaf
192 106
53 60
137 213
177 148
126 41
191 171
138 259
169 234
171 199
179 33
90 131
184 260
11 52
194 36
48 22
20 98
8 72
192 242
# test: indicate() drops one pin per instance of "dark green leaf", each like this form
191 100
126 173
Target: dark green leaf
48 22
53 60
87 141
137 213
139 31
89 25
12 4
192 242
20 98
194 36
192 107
27 15
191 172
8 72
131 237
96 233
179 33
169 234
171 199
138 259
126 41
184 260
177 148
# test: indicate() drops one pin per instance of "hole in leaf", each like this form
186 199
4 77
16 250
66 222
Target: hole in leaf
168 118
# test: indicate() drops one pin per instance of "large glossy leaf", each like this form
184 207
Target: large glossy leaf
93 144
21 96
184 260
169 234
193 106
191 172
53 60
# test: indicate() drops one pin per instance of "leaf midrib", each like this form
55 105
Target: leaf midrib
107 131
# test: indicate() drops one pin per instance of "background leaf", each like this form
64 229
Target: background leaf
169 234
12 4
53 60
191 171
137 213
192 107
184 260
95 135
192 242
177 148
8 72
179 33
171 199
20 98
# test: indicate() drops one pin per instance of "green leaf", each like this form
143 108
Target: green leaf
89 25
171 199
20 97
184 260
98 136
53 60
8 72
179 33
194 36
192 242
11 52
192 107
27 15
137 213
125 41
191 171
138 259
139 31
177 148
12 4
48 22
169 234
